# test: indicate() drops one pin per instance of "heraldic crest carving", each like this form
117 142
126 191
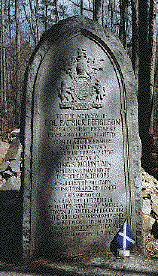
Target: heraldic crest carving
80 88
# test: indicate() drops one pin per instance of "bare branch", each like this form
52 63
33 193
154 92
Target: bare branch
78 5
32 30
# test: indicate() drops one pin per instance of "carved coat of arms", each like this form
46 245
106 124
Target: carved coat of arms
80 87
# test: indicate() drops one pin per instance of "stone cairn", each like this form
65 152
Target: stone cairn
150 213
10 162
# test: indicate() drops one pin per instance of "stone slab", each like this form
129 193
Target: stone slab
81 144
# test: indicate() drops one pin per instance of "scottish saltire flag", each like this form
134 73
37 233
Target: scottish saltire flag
123 239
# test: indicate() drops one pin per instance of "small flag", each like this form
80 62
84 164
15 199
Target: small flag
123 239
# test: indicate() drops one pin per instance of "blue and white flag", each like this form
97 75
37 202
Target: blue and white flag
123 239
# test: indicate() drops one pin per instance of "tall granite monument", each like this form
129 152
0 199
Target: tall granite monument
81 169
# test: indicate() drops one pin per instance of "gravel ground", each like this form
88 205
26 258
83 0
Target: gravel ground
134 265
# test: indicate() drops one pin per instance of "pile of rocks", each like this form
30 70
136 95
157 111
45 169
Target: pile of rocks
10 162
150 213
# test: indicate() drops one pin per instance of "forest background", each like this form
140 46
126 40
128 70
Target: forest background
22 22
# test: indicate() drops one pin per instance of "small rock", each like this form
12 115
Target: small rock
149 181
97 261
12 151
148 222
146 206
13 183
7 174
4 166
15 166
152 245
146 191
154 203
2 182
15 132
18 155
3 150
150 213
148 188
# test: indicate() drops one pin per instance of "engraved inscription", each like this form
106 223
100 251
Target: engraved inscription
84 145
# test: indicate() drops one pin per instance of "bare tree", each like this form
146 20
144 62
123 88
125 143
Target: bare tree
17 49
81 7
3 58
147 30
9 20
134 6
56 10
111 9
152 41
32 18
123 21
144 97
98 11
152 65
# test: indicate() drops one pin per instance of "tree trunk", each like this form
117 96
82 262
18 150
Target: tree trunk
9 19
123 22
98 11
17 51
56 11
144 97
37 22
152 47
81 7
46 17
134 6
112 14
145 74
3 59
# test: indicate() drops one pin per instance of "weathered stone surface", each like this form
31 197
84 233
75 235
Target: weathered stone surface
10 167
3 150
13 150
2 182
7 173
152 245
15 166
149 184
146 206
148 222
4 166
82 148
15 133
12 183
150 193
154 203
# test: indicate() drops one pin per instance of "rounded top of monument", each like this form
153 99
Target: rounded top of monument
74 24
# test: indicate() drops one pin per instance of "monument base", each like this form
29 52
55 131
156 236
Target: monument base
124 253
133 265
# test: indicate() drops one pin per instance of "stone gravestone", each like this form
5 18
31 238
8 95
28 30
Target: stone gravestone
82 173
